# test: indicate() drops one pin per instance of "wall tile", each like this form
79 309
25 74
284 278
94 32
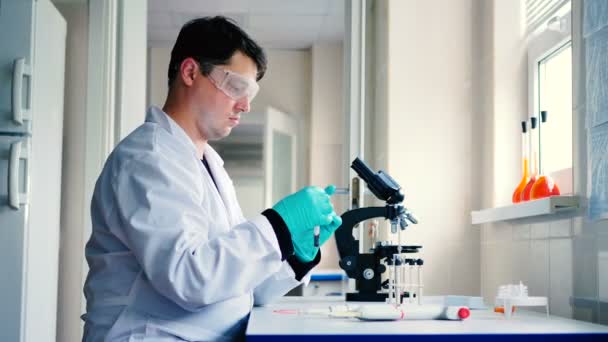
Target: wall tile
497 232
560 228
496 268
539 268
584 267
521 232
598 150
603 313
577 226
602 266
539 230
596 75
595 16
520 267
585 310
582 226
560 275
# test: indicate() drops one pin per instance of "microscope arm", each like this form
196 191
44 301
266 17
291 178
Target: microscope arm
347 245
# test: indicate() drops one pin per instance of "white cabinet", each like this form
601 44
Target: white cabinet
32 61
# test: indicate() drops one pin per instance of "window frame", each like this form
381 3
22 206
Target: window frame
540 46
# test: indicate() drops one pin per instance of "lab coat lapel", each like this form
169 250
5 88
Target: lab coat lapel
225 186
234 214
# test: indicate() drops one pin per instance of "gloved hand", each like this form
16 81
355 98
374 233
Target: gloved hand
304 210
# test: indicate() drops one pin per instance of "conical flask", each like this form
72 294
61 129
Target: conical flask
544 186
524 158
525 194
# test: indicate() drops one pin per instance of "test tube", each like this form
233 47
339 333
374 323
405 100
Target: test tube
419 262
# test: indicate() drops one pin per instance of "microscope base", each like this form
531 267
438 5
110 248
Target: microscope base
372 297
366 297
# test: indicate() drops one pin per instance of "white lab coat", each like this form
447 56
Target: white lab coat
171 258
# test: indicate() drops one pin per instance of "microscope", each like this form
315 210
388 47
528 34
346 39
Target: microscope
367 268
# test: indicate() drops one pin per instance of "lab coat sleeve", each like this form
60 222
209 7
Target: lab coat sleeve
167 229
291 274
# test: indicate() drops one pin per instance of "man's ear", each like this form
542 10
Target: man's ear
188 71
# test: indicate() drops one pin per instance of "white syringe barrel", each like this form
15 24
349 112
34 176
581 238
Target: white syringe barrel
413 312
435 312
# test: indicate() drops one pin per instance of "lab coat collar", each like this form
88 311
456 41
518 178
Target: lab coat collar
211 154
158 116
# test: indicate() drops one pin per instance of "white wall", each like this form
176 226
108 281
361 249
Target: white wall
377 80
287 87
327 130
71 254
429 117
131 66
158 62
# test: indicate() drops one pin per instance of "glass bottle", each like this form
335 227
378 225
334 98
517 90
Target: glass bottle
544 186
524 155
525 194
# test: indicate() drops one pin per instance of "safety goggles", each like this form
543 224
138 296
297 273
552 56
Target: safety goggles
234 85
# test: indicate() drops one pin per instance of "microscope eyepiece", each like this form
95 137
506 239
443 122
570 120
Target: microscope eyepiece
380 183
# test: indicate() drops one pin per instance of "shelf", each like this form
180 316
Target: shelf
545 206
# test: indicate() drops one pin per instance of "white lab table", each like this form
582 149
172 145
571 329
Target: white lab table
265 324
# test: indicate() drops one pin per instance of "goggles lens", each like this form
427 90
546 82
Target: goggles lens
234 85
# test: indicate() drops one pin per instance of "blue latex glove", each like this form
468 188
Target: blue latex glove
304 210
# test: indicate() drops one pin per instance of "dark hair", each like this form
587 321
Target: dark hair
212 41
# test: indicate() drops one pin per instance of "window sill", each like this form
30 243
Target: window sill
531 209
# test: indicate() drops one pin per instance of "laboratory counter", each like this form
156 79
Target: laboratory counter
281 321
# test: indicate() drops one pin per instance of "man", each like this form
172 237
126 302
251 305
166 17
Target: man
171 257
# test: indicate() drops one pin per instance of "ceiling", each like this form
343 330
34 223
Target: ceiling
274 24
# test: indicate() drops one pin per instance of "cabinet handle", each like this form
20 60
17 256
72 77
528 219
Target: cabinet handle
13 175
19 70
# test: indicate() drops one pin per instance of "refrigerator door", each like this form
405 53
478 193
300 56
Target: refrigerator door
42 253
16 35
34 34
13 232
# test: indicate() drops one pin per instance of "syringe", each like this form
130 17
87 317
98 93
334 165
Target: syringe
412 312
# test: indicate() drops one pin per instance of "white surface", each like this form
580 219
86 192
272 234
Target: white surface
264 322
544 206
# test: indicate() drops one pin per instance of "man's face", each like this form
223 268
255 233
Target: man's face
217 112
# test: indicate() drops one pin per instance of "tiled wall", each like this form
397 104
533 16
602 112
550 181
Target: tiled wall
564 259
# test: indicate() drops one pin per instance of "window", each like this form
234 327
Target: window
555 97
550 90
